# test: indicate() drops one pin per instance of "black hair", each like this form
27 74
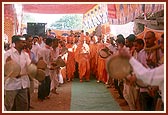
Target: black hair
140 41
120 39
131 37
27 36
48 41
16 38
55 40
36 37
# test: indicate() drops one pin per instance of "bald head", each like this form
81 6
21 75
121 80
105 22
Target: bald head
150 39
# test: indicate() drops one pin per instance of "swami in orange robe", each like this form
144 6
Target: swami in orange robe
93 58
101 66
83 59
70 65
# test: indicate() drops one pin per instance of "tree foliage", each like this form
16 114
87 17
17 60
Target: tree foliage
68 22
28 18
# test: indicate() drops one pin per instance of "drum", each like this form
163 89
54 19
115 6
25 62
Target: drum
104 53
32 70
41 64
40 76
59 62
118 67
11 69
141 84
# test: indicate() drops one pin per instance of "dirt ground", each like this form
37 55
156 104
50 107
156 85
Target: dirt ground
61 101
56 102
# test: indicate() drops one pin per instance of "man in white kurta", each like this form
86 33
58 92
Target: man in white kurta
55 71
16 88
44 87
153 76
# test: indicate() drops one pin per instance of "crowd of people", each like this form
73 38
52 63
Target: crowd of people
81 53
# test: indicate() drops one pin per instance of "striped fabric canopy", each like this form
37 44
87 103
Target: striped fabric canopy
57 8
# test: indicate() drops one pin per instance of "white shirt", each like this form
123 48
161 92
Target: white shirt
35 49
54 53
149 76
112 48
45 53
141 57
23 60
42 44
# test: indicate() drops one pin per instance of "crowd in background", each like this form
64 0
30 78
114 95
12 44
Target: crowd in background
81 53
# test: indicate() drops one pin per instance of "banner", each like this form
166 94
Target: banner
111 11
128 12
96 16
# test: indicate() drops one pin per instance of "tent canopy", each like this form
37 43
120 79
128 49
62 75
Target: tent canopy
57 8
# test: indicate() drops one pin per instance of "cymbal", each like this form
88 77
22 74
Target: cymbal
59 62
104 53
40 76
118 67
41 64
32 70
141 84
11 69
